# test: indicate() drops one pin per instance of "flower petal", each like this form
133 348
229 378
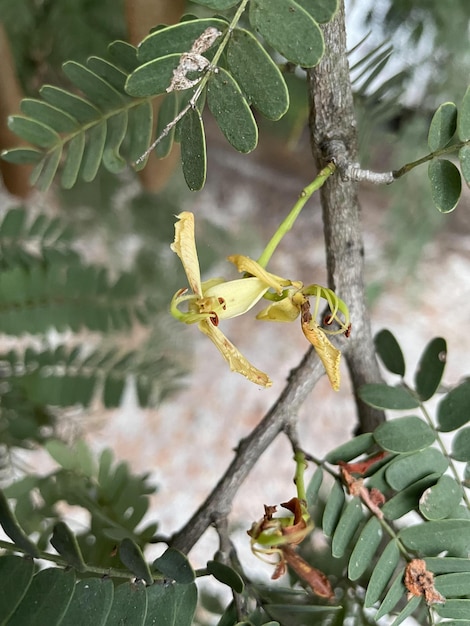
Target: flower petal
185 247
234 358
282 311
239 295
245 264
329 355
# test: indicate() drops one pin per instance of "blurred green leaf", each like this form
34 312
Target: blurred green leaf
132 557
193 150
65 542
226 575
443 126
129 605
463 119
446 184
333 509
464 158
16 574
13 530
174 564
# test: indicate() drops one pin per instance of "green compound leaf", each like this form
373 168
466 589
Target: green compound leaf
258 76
66 544
463 118
365 549
406 470
46 599
289 29
443 126
173 564
384 396
193 150
430 368
176 39
321 10
446 184
440 500
153 77
464 158
16 574
132 557
404 434
382 574
454 409
390 352
231 111
349 522
333 509
351 449
226 575
91 603
129 605
33 131
461 445
431 538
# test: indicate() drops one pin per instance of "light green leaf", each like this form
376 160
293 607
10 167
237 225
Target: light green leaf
390 352
289 29
396 592
49 115
351 449
446 184
365 549
116 131
45 176
430 368
77 107
193 150
22 156
177 38
384 396
231 111
33 131
443 126
321 10
16 574
91 603
464 158
153 77
349 522
333 508
431 538
382 573
406 470
174 564
407 499
258 76
461 445
463 118
454 409
73 161
93 153
404 434
440 500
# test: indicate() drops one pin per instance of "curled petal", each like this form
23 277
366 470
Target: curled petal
245 264
282 311
239 296
329 355
185 247
234 358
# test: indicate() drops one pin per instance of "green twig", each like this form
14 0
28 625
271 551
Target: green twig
432 155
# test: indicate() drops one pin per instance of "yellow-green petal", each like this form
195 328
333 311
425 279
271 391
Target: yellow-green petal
282 311
185 247
239 296
245 264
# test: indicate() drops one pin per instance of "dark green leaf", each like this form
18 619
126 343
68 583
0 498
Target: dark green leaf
443 126
321 10
218 5
408 610
461 445
124 55
66 544
440 500
108 72
446 184
129 605
457 609
464 158
313 487
333 508
13 223
231 111
153 77
390 352
404 434
91 603
22 156
463 119
193 150
173 564
95 142
226 575
100 92
140 121
16 574
351 517
384 396
161 605
431 538
407 499
453 585
46 600
132 557
117 127
32 131
166 114
176 39
430 368
289 29
444 565
49 115
406 470
365 549
73 161
396 592
77 107
45 177
382 573
351 449
258 76
454 409
13 530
